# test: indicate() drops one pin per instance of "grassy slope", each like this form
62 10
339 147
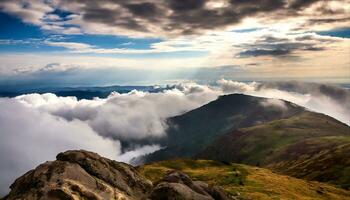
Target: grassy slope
309 145
193 131
245 181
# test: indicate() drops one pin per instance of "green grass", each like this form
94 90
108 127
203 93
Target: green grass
245 181
308 145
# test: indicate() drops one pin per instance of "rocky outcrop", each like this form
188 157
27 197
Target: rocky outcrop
81 175
86 175
177 185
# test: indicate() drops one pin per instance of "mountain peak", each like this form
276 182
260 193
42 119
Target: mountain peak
193 131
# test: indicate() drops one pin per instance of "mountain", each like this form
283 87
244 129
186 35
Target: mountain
262 132
192 132
307 145
86 175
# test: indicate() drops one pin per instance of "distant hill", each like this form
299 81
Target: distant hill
79 92
245 182
192 132
307 145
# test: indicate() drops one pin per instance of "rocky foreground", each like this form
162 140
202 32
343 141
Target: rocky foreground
86 175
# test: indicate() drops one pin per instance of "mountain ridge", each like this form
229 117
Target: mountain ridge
308 145
192 131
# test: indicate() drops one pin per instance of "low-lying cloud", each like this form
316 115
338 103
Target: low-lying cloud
131 116
328 99
275 104
29 137
35 127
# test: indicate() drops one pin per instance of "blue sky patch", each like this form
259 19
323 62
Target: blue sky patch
342 32
13 28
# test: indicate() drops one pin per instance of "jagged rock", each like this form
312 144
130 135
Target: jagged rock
81 175
177 185
84 175
122 176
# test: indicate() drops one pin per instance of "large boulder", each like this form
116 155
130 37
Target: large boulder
178 186
81 175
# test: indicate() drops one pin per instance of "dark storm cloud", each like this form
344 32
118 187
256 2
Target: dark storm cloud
144 9
273 46
186 5
327 20
297 4
169 16
112 18
265 52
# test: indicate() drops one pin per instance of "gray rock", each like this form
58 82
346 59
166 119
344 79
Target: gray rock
85 175
178 186
80 175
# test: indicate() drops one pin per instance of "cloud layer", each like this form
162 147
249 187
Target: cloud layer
35 127
167 17
328 99
134 115
29 137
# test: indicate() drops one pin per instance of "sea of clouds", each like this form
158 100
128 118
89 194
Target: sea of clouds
36 127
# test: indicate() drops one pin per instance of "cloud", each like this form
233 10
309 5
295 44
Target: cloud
132 116
276 51
162 18
268 45
275 103
229 86
75 47
328 99
70 45
29 137
136 152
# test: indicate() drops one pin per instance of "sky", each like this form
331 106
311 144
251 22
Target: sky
82 42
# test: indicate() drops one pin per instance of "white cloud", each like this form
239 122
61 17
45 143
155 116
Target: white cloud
135 115
275 103
70 45
143 150
229 86
29 137
32 13
327 99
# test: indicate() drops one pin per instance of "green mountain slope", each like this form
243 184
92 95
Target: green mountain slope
308 145
193 131
246 182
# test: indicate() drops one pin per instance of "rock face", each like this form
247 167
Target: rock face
81 175
86 175
177 185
